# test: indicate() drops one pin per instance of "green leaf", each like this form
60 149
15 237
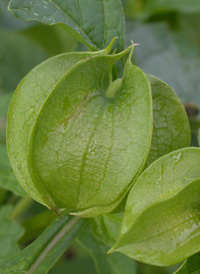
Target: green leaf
18 55
42 254
3 130
7 178
190 266
179 5
104 155
53 39
7 21
199 137
145 9
189 25
161 222
171 129
89 22
112 264
10 233
35 225
106 227
79 265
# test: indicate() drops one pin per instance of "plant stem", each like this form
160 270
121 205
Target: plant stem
71 225
113 88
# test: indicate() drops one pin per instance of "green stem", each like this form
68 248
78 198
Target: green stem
21 207
71 225
113 88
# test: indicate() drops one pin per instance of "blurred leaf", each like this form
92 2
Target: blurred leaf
5 99
3 193
7 177
3 130
195 125
179 5
158 55
8 21
10 233
187 36
190 266
42 254
153 269
77 266
105 264
36 224
141 8
89 22
199 137
4 103
18 55
171 129
53 39
106 227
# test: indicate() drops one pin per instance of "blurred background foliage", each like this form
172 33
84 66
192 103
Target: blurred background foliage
169 35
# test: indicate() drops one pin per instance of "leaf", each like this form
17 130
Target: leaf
10 233
161 222
18 55
106 227
42 254
35 225
112 264
171 129
199 137
53 39
7 21
53 138
7 177
145 9
189 28
179 5
89 22
159 55
79 265
4 103
190 266
3 130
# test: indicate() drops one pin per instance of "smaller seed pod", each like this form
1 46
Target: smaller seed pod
161 223
76 141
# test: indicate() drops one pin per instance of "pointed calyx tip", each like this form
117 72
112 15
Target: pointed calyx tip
57 212
109 47
111 250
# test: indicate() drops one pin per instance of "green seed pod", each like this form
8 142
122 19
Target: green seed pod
161 222
73 144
